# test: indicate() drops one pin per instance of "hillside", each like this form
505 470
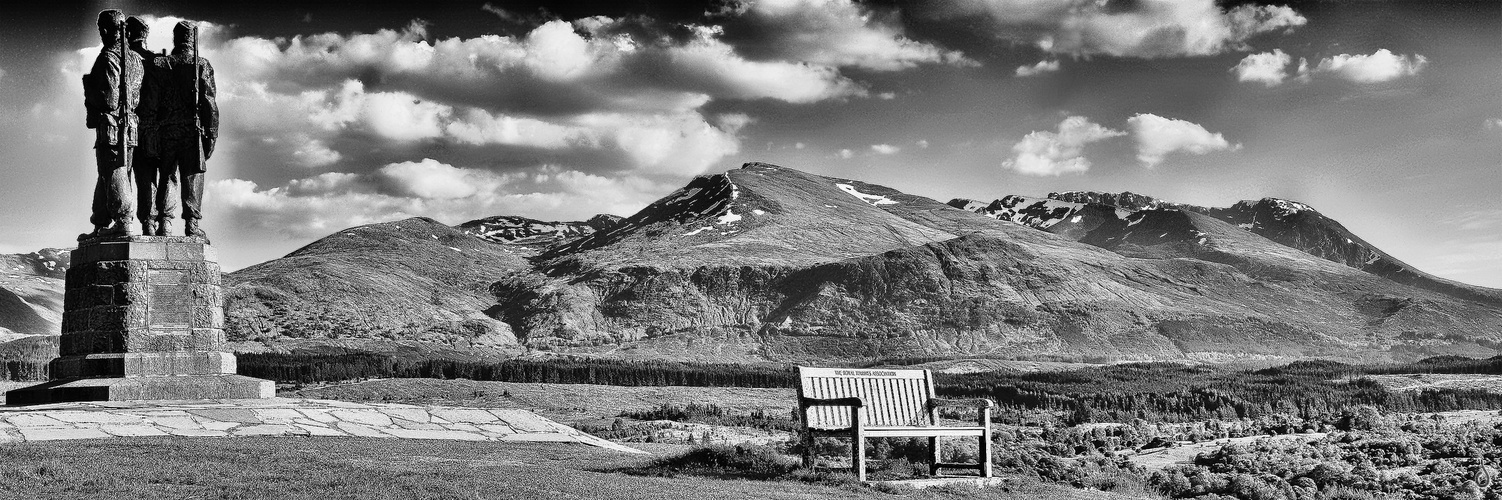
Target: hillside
1110 219
414 279
769 263
31 293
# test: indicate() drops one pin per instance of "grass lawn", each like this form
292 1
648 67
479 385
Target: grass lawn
263 468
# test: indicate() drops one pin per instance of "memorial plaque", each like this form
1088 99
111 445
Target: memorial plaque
171 299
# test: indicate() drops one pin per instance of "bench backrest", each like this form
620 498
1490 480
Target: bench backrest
892 397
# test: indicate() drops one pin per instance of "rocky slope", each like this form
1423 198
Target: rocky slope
766 262
514 230
31 292
414 279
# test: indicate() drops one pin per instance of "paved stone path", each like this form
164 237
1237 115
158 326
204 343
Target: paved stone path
283 417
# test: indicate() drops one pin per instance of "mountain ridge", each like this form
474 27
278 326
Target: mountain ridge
1290 223
768 263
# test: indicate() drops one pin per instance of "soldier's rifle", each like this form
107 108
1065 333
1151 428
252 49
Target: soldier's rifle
197 120
124 120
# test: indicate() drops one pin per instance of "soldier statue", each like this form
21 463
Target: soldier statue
112 90
146 160
186 121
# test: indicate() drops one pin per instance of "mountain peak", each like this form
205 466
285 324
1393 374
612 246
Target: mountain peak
517 230
760 213
1125 199
1279 208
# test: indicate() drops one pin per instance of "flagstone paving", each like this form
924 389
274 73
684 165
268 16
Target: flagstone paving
282 417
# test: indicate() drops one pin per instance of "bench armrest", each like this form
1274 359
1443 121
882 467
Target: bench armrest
982 403
808 402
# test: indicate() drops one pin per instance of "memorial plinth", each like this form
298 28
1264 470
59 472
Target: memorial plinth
143 318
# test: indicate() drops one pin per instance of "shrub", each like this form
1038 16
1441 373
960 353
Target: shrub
741 461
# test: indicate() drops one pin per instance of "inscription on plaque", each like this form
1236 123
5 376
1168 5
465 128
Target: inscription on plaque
171 299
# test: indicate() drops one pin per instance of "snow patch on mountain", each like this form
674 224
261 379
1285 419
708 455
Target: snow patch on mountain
868 198
1040 213
513 230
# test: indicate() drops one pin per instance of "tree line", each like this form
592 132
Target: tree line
308 368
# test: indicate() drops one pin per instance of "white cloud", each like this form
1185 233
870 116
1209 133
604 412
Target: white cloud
1268 68
885 149
431 179
552 69
835 33
313 153
1493 124
1044 66
710 65
923 143
846 154
1145 28
1380 66
1157 136
1057 153
682 144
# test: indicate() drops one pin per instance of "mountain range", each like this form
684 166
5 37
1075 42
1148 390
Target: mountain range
767 263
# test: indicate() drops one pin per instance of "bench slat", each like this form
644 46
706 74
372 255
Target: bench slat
892 397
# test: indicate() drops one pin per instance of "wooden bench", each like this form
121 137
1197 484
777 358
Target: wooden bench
861 404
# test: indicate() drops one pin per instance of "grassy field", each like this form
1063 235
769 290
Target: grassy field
332 468
567 403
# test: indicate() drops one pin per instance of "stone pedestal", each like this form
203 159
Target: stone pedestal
143 318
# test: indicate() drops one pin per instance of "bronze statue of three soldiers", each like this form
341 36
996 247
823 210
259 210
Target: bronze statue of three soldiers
155 123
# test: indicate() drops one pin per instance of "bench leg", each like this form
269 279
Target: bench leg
808 449
985 442
857 444
936 455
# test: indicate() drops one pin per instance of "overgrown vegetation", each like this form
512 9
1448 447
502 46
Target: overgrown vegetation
1171 392
1383 458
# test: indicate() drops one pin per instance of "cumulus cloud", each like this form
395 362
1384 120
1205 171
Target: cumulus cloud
1044 66
556 68
1268 68
299 129
1057 153
885 149
1157 137
836 33
1146 28
1493 124
846 154
1380 66
430 179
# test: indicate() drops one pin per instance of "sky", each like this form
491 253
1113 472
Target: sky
1386 116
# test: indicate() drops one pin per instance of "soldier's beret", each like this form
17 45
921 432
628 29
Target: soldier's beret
182 32
135 28
110 20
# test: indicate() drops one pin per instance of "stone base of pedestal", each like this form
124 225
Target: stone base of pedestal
138 388
143 319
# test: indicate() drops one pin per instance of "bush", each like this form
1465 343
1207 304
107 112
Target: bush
721 461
